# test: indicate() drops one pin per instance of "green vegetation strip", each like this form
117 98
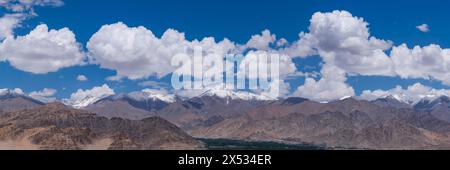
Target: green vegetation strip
228 144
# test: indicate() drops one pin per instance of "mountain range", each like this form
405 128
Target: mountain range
384 123
440 107
347 123
11 100
56 126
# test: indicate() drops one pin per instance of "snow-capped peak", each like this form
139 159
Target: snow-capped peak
430 99
83 98
12 93
345 97
84 102
438 100
235 95
147 94
398 97
395 97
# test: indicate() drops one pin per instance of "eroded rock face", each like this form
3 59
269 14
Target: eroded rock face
56 126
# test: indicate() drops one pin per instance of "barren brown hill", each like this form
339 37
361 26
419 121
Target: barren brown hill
11 101
119 108
56 126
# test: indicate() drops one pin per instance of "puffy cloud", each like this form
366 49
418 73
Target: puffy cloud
43 50
83 98
330 87
212 52
302 48
423 28
344 41
277 89
263 41
21 10
253 58
16 91
82 78
136 53
341 39
422 62
46 95
8 23
411 94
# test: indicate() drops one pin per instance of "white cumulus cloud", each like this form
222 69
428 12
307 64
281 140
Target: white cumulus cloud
256 59
16 11
344 40
8 23
429 62
263 41
46 95
136 53
331 86
43 50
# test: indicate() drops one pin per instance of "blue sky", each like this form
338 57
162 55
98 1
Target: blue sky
236 20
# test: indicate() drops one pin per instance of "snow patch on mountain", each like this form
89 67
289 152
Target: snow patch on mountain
433 101
345 97
236 95
152 94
